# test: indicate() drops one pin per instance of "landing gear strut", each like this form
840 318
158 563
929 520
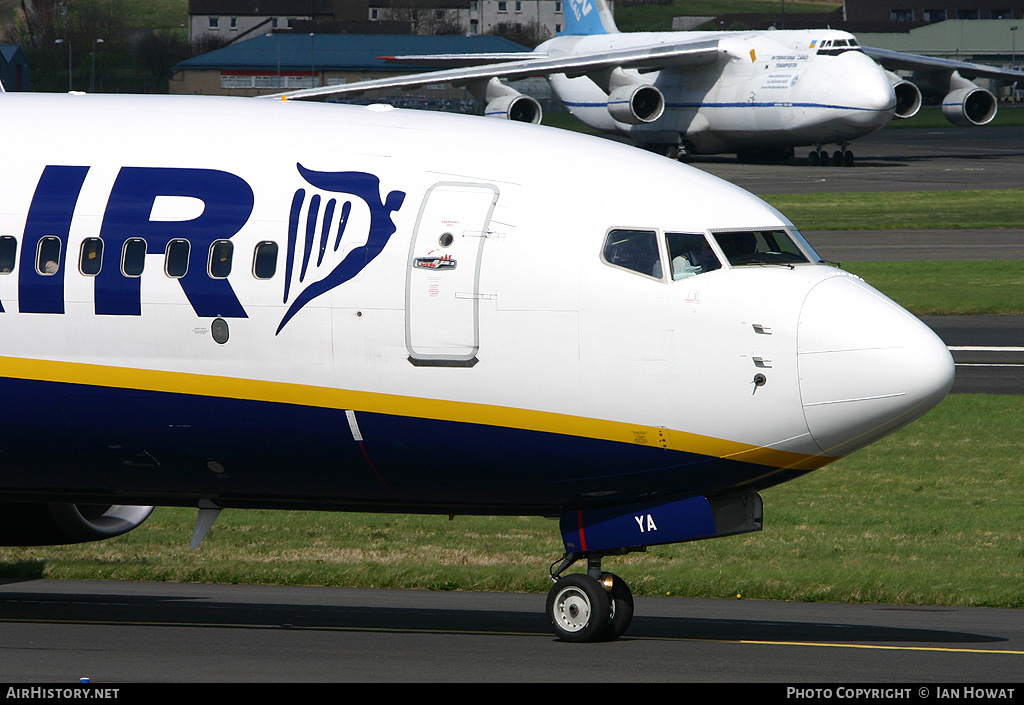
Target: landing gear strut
591 606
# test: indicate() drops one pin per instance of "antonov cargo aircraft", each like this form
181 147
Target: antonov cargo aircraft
758 94
244 303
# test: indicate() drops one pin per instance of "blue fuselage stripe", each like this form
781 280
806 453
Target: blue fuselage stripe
149 447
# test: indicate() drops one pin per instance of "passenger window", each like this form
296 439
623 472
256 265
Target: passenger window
8 253
176 258
133 257
264 261
636 250
220 259
690 254
90 257
759 247
48 256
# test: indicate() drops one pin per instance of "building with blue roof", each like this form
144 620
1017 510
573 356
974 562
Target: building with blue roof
277 62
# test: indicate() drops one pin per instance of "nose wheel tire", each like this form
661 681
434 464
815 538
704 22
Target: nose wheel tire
622 609
579 608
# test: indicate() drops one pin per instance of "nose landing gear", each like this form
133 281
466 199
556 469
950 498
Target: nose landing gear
591 606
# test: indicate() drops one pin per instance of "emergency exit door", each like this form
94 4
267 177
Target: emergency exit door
443 283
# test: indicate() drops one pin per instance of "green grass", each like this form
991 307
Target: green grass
165 14
906 210
987 287
926 516
930 117
995 286
567 121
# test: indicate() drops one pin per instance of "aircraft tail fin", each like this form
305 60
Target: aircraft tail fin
589 17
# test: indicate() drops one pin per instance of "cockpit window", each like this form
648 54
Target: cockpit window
690 254
635 250
834 47
759 247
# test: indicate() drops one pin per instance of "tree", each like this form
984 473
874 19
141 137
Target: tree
158 51
60 37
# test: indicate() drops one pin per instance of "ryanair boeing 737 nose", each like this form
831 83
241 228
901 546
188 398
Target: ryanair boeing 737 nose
866 365
417 313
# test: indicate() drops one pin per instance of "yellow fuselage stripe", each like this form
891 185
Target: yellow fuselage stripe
398 405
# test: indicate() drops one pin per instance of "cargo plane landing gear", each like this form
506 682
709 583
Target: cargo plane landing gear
841 157
591 606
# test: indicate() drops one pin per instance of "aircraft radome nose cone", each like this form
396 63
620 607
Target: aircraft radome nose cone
866 87
867 366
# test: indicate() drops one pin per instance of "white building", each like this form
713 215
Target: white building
472 16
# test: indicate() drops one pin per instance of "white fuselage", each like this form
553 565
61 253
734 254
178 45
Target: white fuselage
773 89
480 347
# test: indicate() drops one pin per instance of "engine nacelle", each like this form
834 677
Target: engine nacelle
908 99
51 524
517 107
970 105
635 104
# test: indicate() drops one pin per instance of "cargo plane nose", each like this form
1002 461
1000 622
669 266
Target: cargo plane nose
866 91
866 365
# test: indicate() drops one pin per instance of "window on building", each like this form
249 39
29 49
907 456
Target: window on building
234 24
228 80
90 257
8 253
502 6
901 15
935 15
214 23
558 8
1001 14
519 6
967 14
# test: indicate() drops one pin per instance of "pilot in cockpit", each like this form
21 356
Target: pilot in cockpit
691 254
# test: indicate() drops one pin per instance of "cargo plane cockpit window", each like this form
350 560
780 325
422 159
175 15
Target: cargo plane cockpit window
750 247
690 254
635 250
